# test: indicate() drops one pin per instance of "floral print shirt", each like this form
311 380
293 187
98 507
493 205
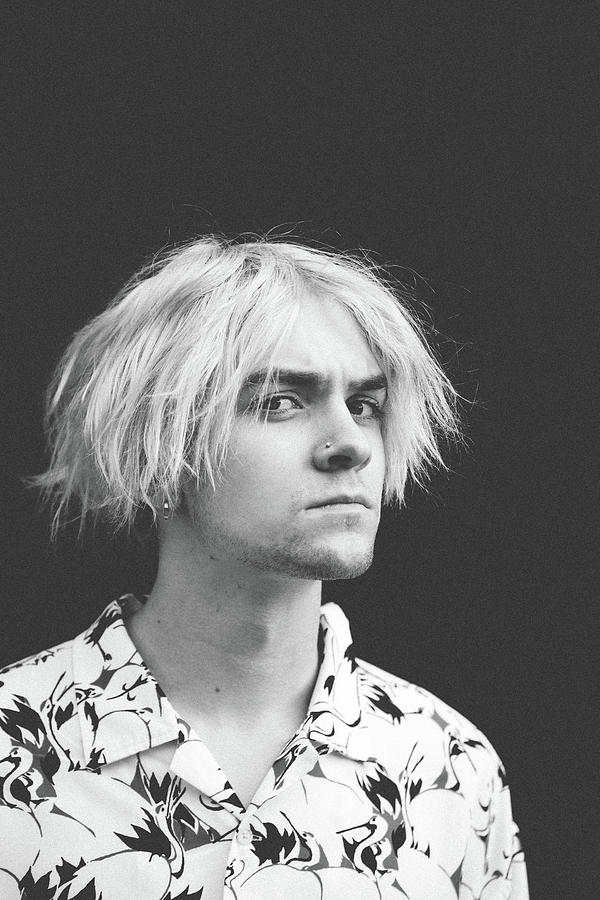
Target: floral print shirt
106 793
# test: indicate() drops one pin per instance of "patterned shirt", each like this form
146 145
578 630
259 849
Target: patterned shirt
106 793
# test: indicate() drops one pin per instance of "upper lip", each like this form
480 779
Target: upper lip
341 498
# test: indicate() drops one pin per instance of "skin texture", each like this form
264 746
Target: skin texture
230 628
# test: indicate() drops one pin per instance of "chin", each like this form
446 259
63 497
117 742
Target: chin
345 570
322 560
332 564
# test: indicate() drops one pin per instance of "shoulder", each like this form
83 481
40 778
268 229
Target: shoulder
36 702
444 773
48 673
417 718
29 688
35 672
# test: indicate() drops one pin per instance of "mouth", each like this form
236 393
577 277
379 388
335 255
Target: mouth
341 500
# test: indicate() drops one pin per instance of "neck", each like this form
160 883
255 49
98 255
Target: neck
227 641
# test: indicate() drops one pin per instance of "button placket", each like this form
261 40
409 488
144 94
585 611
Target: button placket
248 834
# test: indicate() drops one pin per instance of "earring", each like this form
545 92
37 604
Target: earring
166 509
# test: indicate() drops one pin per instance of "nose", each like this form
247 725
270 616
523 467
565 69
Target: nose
349 447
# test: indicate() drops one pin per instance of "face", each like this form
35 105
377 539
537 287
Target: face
287 502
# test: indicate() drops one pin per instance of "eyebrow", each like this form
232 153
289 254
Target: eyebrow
316 380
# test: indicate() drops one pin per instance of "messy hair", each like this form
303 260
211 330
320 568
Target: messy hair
145 395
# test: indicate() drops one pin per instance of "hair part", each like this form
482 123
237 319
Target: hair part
145 394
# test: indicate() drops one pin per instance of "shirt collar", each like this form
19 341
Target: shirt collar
336 714
123 710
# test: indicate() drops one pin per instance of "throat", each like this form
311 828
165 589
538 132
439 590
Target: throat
226 677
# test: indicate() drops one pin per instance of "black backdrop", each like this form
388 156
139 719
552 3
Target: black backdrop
455 141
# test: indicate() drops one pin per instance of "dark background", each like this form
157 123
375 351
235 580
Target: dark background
455 141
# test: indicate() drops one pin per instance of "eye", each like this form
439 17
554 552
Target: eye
275 404
365 408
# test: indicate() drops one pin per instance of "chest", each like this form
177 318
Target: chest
245 756
341 829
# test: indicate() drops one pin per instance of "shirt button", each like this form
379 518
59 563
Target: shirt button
244 837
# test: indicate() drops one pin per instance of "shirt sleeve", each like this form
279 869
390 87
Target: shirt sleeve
505 852
494 865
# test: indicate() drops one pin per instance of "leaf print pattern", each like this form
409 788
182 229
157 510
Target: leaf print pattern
106 793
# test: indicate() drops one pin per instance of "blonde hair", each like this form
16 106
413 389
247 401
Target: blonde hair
145 394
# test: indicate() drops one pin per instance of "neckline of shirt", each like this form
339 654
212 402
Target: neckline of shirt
123 710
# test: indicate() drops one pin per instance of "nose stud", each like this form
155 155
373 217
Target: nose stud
328 445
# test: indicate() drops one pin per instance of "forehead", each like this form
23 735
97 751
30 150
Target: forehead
326 337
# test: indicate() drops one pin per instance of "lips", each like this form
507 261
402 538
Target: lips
340 499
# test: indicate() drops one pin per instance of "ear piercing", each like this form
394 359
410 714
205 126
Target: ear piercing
166 509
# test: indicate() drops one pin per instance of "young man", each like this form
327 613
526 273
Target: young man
218 739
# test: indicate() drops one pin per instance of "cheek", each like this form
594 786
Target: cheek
265 458
254 480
